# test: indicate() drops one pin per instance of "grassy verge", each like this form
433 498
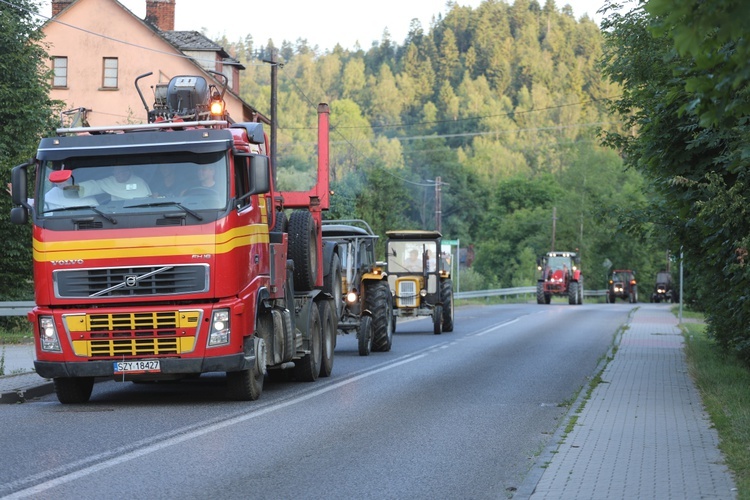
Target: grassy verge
15 337
724 385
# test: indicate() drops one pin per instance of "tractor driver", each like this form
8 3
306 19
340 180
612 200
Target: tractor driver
413 262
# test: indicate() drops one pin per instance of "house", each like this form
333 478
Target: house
98 48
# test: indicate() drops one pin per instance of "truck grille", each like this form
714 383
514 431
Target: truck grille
133 347
134 334
406 294
131 281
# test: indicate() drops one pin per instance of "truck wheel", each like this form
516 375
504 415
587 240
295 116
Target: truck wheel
247 385
573 293
303 249
307 369
364 335
437 320
540 299
446 296
332 285
71 390
378 301
328 331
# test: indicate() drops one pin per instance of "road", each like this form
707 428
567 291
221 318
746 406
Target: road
459 415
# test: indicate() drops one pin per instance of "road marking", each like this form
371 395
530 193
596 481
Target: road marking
128 454
496 327
125 454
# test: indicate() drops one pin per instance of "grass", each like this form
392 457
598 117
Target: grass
724 385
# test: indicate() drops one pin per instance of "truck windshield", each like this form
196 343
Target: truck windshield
133 184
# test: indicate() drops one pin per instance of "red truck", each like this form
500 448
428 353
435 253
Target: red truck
136 281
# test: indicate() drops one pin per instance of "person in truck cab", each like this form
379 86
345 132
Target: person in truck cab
121 185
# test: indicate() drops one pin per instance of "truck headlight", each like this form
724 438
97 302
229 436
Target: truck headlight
219 334
48 337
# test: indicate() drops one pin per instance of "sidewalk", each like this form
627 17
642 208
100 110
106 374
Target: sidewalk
642 434
20 381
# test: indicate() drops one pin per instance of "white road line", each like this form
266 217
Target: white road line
146 450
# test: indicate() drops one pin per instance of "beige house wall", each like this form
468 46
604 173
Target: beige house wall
144 51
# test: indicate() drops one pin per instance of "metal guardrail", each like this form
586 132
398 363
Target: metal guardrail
20 308
522 290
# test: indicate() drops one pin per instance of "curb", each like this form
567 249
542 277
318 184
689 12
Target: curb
21 395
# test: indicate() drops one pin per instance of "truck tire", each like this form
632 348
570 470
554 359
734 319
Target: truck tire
437 320
304 249
328 331
573 293
332 285
364 335
379 302
540 293
72 390
307 369
247 385
446 296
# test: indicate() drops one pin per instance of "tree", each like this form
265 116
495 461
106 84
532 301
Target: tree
692 142
26 114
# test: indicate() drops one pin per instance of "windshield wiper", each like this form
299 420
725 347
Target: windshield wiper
78 207
165 203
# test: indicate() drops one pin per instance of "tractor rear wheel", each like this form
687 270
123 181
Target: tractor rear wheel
446 296
379 302
573 293
540 293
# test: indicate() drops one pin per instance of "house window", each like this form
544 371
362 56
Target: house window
60 72
109 76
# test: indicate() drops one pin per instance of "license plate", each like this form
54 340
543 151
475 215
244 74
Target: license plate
140 366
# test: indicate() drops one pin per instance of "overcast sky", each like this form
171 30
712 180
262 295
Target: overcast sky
321 22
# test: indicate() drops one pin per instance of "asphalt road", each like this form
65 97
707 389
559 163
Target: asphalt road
459 415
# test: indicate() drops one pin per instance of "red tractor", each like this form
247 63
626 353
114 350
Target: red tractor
561 277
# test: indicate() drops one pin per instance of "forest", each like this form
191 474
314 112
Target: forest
499 112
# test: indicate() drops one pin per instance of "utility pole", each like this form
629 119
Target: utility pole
438 205
554 226
274 105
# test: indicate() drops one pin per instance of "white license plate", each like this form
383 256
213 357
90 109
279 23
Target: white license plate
141 366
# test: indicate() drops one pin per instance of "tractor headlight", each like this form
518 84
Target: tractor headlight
219 333
423 293
48 334
352 297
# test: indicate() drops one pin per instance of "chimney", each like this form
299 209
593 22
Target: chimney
160 13
59 5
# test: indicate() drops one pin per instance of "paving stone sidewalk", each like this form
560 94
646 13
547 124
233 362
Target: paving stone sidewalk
643 433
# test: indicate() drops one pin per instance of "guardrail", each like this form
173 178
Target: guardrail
20 308
522 290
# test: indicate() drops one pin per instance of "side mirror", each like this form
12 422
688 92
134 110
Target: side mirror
18 182
259 174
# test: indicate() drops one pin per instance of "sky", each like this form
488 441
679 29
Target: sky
321 22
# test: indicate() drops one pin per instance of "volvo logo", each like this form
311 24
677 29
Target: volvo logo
131 281
71 262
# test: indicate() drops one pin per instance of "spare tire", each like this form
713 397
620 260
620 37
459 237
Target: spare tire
304 249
